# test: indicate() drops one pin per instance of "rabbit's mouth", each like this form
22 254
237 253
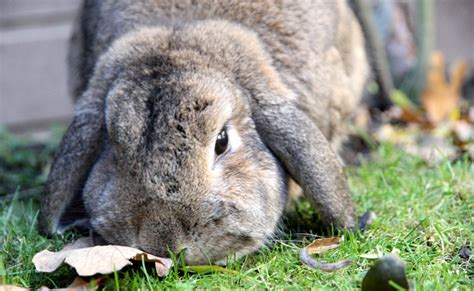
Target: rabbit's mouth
209 243
220 251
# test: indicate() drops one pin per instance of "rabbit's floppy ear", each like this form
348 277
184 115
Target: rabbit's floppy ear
302 148
75 156
286 129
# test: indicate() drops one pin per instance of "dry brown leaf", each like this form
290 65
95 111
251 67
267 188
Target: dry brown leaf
323 244
89 260
440 98
319 246
409 115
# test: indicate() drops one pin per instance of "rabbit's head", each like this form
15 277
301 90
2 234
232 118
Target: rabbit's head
182 142
183 166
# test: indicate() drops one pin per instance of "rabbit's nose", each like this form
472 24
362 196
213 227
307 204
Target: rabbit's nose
158 241
158 247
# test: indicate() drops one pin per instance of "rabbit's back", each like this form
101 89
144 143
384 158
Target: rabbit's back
316 46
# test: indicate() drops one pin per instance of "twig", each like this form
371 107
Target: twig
326 267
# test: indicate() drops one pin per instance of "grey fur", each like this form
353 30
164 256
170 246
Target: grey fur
155 81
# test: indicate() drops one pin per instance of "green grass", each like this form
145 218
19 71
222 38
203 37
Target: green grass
425 212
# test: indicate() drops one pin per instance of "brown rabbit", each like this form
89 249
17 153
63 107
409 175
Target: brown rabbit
192 116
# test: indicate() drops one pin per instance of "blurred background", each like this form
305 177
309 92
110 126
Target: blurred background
33 47
34 36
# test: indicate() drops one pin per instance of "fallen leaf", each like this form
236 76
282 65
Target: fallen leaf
323 244
412 116
440 99
163 267
384 272
405 110
319 246
97 259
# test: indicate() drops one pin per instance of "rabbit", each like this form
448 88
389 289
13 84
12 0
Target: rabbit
192 118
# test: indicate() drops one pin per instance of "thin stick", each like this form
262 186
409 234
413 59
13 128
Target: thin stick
326 267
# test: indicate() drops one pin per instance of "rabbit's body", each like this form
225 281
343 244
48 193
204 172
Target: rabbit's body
316 46
155 82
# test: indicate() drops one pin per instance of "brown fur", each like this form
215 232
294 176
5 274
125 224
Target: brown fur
155 81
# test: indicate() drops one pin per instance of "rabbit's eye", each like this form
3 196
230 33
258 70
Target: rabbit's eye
222 142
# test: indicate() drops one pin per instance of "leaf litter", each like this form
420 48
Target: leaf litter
89 260
440 127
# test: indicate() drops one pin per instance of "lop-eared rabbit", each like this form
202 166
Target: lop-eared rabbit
192 118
